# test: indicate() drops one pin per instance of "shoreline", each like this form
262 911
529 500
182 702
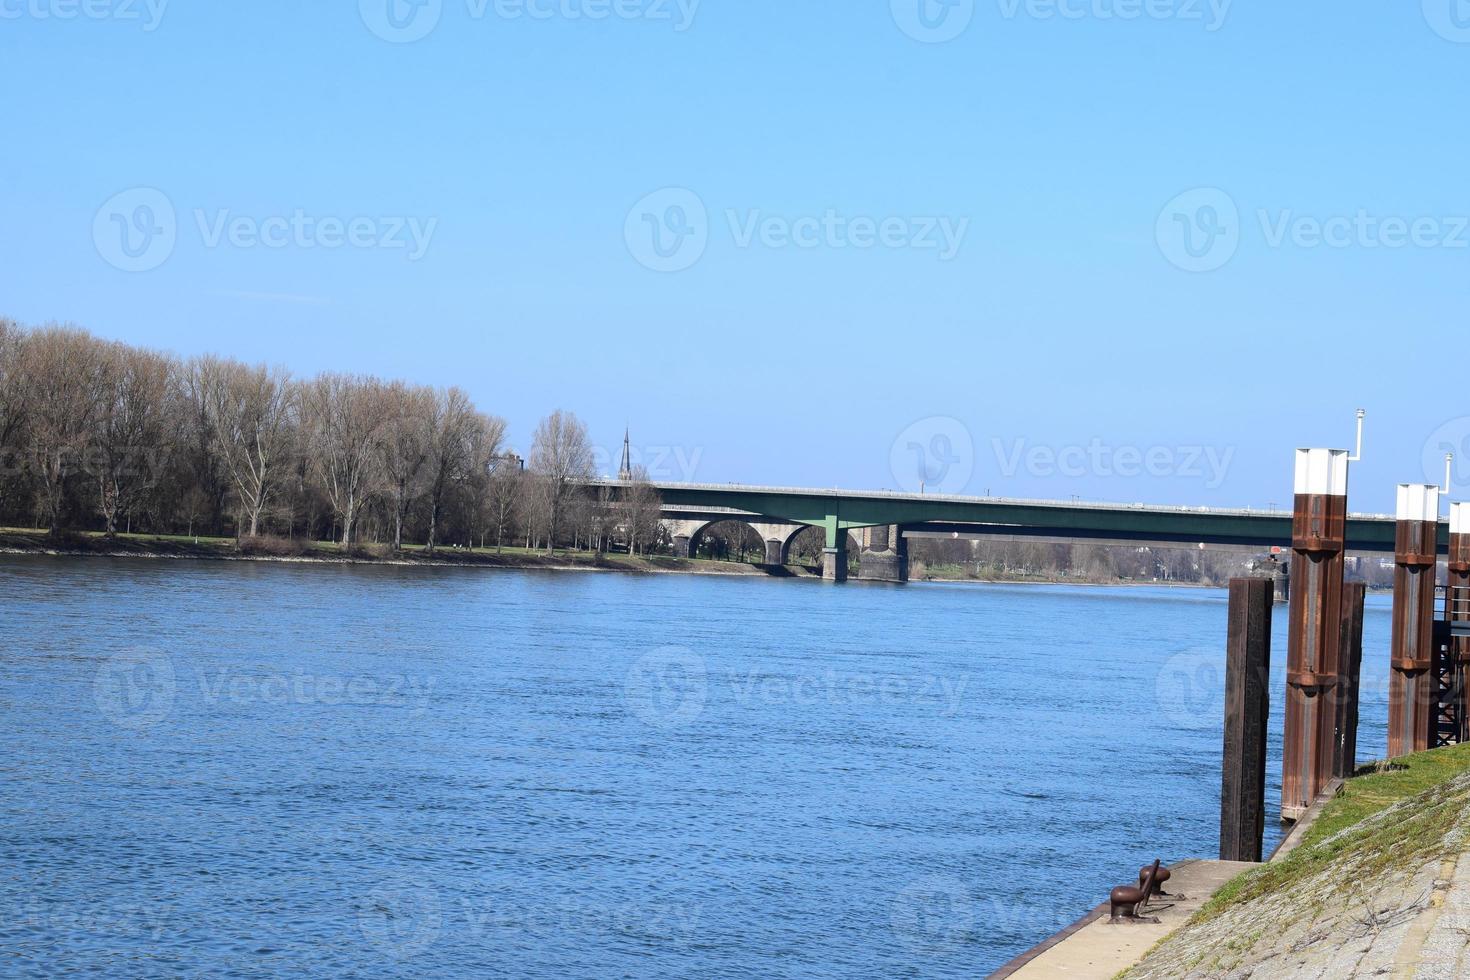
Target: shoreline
142 549
1067 581
24 542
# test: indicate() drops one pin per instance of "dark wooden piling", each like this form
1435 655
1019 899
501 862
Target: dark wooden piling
1345 761
1247 708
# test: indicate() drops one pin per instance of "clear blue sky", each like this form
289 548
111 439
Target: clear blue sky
1063 318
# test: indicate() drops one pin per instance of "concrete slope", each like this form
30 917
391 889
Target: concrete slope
1388 896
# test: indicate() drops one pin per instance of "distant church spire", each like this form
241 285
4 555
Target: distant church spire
625 468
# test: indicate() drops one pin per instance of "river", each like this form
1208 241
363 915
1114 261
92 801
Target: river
249 769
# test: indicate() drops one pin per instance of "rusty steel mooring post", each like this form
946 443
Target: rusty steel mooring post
1457 610
1313 663
1412 693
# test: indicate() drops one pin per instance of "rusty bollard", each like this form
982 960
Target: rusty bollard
1127 901
1164 875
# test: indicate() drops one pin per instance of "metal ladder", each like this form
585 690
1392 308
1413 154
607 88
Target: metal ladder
1450 724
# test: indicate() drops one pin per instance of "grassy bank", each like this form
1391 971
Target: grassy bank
1362 895
160 546
1375 789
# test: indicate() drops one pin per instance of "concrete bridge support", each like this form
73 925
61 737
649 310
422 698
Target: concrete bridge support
777 535
682 534
834 554
884 556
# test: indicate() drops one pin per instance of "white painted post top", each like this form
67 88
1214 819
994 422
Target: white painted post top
1460 518
1322 471
1418 502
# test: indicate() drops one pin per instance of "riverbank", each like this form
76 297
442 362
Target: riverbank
15 541
1375 882
26 541
1379 885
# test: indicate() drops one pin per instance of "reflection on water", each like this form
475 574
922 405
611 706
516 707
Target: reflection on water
217 768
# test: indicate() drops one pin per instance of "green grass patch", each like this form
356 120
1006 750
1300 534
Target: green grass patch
1415 839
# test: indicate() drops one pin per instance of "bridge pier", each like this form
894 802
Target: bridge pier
884 556
834 563
681 534
777 536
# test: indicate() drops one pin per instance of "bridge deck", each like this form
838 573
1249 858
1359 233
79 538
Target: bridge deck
838 509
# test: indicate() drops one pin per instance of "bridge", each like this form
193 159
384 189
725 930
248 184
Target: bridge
778 514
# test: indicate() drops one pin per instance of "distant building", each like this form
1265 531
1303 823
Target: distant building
508 458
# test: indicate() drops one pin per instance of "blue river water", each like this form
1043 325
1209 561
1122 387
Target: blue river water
240 769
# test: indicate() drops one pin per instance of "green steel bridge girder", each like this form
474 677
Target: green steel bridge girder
839 511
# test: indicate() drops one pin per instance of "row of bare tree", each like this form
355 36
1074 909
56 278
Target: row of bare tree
101 435
1079 561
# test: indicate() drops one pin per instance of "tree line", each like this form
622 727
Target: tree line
103 436
1085 562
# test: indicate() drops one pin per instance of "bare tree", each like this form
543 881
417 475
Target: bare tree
503 490
642 509
344 416
471 488
562 458
250 414
404 446
196 444
451 447
132 428
12 409
603 516
60 373
532 512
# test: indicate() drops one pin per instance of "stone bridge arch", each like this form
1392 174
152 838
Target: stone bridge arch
776 534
